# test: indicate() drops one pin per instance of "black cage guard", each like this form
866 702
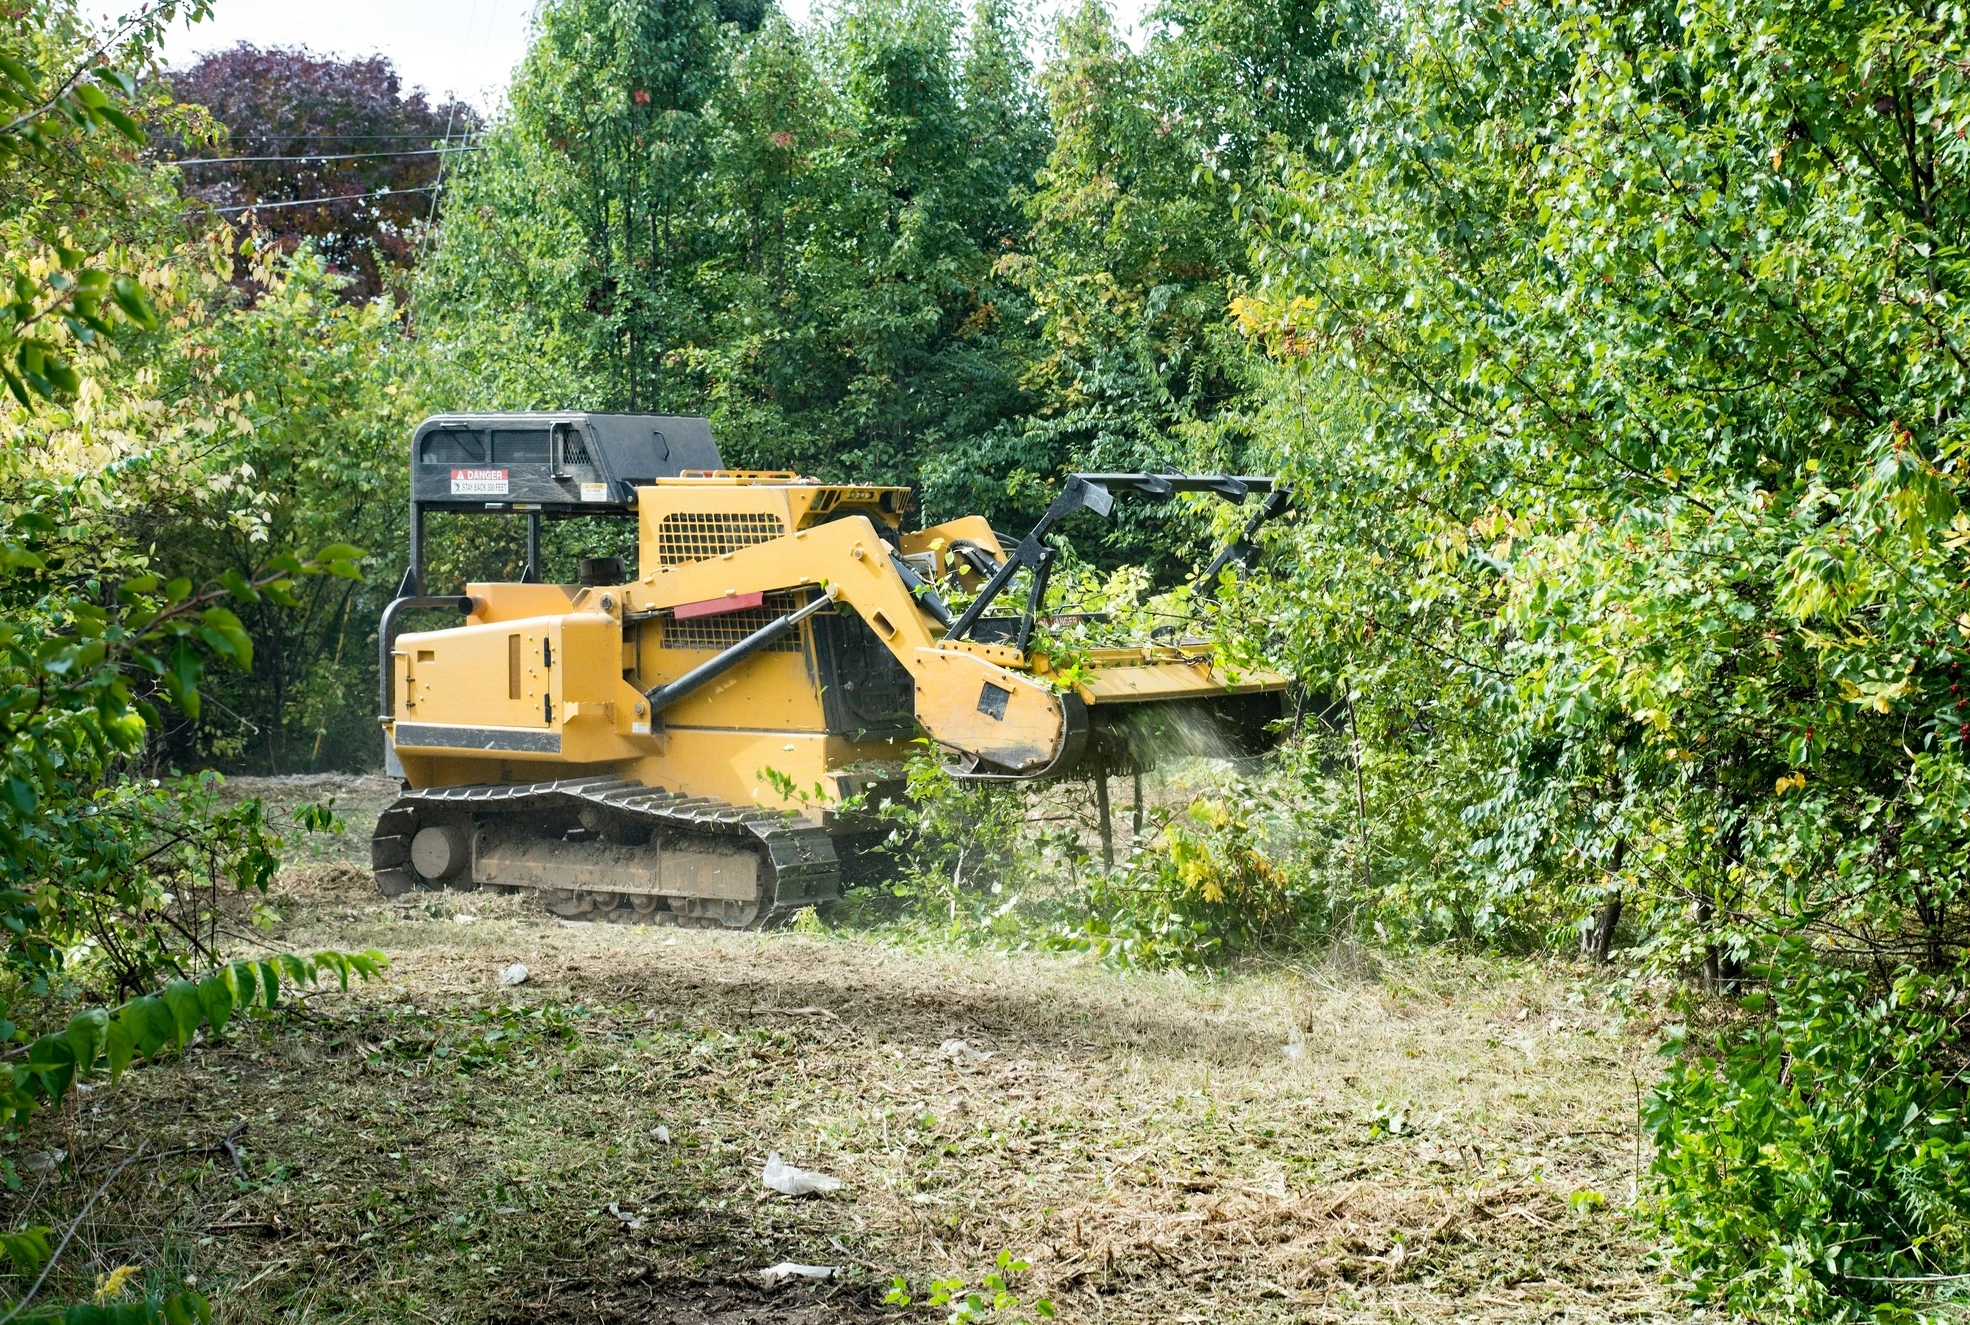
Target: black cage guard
1096 492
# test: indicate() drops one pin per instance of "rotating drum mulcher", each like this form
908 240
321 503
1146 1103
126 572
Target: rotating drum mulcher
674 746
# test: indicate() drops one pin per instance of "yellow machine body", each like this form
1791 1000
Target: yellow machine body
675 745
549 682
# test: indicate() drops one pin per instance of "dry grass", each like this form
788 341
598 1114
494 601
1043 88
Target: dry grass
436 1148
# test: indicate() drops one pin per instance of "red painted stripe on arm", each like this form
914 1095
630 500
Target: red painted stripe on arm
737 602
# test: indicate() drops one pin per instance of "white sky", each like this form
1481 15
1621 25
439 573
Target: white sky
463 48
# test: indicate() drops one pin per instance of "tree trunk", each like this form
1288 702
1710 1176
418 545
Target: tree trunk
1721 974
1597 940
1104 821
1360 797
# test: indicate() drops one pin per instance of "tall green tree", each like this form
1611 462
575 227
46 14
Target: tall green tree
919 219
1253 78
108 879
1133 246
1634 332
821 274
619 92
71 188
316 457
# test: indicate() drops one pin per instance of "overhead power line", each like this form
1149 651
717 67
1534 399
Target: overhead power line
308 202
310 136
315 156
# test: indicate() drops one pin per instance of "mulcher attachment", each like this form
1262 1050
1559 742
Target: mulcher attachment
609 849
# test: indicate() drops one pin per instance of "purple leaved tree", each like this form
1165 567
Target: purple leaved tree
351 161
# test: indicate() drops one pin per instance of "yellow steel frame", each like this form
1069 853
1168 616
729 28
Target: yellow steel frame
548 681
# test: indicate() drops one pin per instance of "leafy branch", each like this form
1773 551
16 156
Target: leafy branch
105 1040
92 94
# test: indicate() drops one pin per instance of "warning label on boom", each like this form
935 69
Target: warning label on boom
478 483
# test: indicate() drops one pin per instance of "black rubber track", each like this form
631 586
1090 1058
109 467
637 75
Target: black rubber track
800 857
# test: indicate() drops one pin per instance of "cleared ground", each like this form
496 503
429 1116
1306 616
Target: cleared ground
1360 1140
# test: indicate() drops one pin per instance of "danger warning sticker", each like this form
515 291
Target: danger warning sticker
478 483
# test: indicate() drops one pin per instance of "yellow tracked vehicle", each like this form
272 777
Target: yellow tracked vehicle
623 744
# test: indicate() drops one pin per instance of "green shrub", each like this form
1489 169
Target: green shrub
952 852
1207 884
1814 1164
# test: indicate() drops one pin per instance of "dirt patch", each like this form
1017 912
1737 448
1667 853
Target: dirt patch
1417 1140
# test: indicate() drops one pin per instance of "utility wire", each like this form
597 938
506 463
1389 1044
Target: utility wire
426 135
334 156
439 184
304 202
431 221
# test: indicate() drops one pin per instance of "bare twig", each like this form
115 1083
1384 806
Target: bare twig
230 1142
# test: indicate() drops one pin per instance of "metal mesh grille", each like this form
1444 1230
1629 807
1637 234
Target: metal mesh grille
692 537
712 633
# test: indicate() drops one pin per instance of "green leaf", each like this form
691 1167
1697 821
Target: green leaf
17 74
335 962
227 636
182 675
26 1249
52 1061
270 980
135 304
119 1046
245 978
215 996
20 794
149 1023
181 997
129 128
50 1051
87 1033
238 586
187 1308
